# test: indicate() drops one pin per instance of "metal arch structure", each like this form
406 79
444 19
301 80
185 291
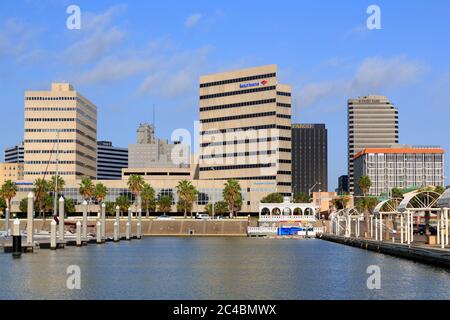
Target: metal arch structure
414 204
419 201
349 216
387 207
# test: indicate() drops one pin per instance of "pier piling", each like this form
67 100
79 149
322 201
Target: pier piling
103 221
116 232
85 204
99 233
53 235
61 219
17 239
7 221
128 231
30 218
78 234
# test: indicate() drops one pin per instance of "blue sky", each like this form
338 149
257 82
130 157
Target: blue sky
131 55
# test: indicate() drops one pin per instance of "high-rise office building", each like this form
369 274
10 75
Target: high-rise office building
245 132
400 167
110 161
372 123
343 185
151 152
60 124
309 158
14 154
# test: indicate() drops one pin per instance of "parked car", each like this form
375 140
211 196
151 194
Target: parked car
202 216
164 217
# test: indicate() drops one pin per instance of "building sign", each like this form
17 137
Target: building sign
254 84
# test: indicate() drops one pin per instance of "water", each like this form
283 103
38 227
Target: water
218 268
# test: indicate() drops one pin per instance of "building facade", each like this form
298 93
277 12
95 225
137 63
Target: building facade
150 152
372 123
110 161
10 171
399 167
343 185
245 127
60 124
15 154
309 158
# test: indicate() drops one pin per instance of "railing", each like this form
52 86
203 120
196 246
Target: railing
253 230
286 218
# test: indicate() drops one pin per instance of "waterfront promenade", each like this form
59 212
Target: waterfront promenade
420 252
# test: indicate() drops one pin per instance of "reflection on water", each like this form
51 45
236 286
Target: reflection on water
218 268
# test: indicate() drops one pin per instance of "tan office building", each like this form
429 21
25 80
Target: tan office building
11 171
245 130
59 121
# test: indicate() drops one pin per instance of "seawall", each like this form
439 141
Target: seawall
424 254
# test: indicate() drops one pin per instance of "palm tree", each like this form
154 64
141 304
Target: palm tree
124 203
187 195
148 198
232 195
136 184
220 208
165 204
8 191
61 184
100 192
40 190
364 184
86 189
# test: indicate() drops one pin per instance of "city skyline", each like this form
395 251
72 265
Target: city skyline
413 78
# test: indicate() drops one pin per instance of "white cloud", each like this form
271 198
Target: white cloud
193 19
371 76
97 36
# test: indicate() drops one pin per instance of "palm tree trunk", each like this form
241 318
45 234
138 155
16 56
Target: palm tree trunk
366 223
185 213
147 213
427 223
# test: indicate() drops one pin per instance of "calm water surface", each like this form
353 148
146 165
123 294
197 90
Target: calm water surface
218 268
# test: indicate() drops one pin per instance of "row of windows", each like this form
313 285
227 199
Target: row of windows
50 109
245 141
50 98
237 154
286 94
284 161
232 93
240 166
286 184
242 116
62 130
284 173
244 79
284 105
49 140
284 116
239 104
266 126
50 173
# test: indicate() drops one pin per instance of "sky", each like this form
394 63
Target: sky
129 56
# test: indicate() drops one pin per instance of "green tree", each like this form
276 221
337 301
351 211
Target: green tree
110 208
187 194
8 191
124 203
439 189
364 184
302 197
69 206
3 205
396 193
148 199
40 190
220 208
99 194
273 198
341 202
61 184
232 195
165 204
135 185
86 189
23 205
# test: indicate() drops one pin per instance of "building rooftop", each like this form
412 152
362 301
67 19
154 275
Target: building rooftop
402 149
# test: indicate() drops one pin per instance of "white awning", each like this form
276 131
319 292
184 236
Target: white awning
444 200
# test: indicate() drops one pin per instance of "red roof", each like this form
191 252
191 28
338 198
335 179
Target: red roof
399 150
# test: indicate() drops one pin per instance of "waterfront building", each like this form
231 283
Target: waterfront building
164 185
150 151
245 127
372 123
399 167
59 123
343 185
309 158
110 161
10 171
14 154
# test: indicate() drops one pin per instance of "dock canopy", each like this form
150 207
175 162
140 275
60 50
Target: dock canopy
419 201
444 200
